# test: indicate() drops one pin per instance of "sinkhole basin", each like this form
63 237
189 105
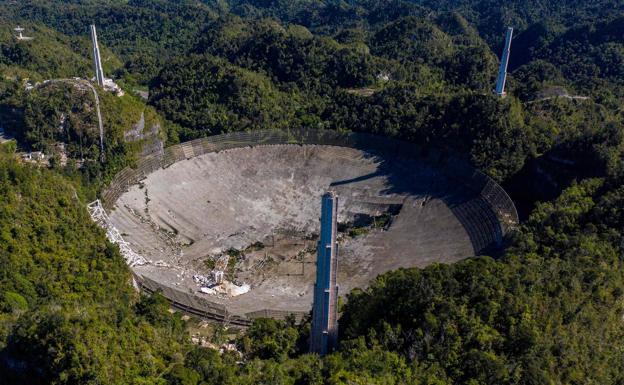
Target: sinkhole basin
260 206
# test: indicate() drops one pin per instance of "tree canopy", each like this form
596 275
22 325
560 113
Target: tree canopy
547 310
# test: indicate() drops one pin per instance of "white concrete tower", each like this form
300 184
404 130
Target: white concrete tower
502 72
20 34
97 61
19 31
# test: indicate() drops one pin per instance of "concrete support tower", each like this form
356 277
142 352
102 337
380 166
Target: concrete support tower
324 333
97 61
502 72
20 34
19 31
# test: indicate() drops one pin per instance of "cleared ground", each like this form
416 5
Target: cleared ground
264 202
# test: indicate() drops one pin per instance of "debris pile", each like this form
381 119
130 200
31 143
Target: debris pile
99 216
216 284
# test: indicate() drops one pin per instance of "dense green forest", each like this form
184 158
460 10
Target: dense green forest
548 310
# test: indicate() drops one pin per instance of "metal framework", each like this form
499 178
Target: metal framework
99 216
496 197
500 211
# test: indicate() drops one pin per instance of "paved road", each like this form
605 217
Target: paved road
571 97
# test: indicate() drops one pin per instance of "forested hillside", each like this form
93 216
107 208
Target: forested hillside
69 314
548 310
